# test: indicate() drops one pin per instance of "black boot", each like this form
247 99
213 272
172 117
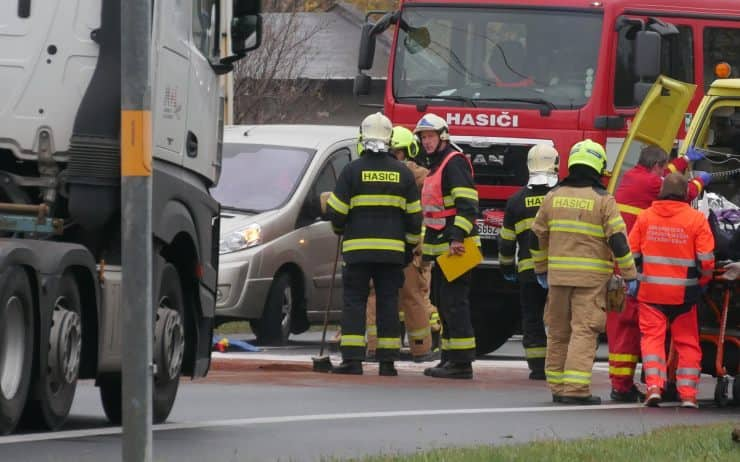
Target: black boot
537 374
632 396
439 365
349 367
452 370
581 400
387 369
537 368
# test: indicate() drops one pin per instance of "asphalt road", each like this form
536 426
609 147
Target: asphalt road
270 406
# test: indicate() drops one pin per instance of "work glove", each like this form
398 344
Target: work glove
632 286
704 177
694 154
542 280
510 276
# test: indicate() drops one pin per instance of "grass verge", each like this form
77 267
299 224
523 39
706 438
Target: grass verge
672 444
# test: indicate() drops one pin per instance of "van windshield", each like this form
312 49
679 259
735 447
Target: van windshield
257 178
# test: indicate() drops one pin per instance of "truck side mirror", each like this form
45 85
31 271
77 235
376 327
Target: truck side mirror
361 86
367 47
245 7
246 33
647 55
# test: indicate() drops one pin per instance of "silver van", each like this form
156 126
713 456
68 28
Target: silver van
276 255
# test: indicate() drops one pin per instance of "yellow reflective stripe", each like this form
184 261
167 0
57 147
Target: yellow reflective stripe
507 234
434 317
577 377
625 358
435 249
448 201
462 192
626 260
413 238
699 185
538 255
463 223
627 371
525 264
523 225
419 333
413 207
581 263
337 205
631 209
371 330
389 343
554 376
377 200
466 343
672 168
445 344
573 226
535 352
373 244
352 341
505 259
617 224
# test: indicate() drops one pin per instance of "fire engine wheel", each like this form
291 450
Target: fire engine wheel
57 381
169 342
16 345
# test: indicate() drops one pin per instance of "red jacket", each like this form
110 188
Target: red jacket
673 249
638 188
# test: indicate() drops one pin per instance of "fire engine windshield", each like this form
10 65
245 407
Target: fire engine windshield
497 57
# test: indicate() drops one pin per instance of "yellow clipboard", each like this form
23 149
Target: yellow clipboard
454 266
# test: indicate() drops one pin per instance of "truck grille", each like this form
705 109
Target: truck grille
498 165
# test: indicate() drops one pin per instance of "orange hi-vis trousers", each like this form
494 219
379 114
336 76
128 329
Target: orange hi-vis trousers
654 321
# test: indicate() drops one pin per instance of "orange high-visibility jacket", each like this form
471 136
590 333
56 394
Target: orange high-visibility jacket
673 247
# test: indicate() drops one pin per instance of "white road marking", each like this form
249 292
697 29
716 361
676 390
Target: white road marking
37 437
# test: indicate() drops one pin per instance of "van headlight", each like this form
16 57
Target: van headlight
241 239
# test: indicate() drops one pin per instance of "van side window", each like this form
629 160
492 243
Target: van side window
677 61
340 159
720 45
326 181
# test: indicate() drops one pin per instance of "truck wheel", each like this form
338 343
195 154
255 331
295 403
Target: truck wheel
494 320
169 342
275 325
55 387
16 345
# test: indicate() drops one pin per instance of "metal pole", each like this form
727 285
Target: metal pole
136 231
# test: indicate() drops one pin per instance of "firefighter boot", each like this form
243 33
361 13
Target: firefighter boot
452 370
387 369
581 400
349 367
536 368
632 396
440 364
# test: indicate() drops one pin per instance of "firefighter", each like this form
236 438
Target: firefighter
673 247
542 162
375 207
416 311
579 233
450 207
638 188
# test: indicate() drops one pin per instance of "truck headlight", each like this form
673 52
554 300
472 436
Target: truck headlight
242 239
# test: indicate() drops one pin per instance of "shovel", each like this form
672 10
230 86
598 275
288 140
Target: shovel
322 362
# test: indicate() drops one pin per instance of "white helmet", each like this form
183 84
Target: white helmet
542 162
433 122
375 132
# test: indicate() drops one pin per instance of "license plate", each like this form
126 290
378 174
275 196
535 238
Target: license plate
486 231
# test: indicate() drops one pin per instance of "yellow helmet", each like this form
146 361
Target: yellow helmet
590 153
433 122
402 138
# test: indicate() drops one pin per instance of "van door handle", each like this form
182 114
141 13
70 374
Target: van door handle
191 145
24 8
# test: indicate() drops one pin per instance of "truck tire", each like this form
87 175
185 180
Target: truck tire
16 345
54 388
495 320
275 326
168 348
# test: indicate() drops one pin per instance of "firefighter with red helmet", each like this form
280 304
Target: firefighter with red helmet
674 250
449 206
638 188
521 208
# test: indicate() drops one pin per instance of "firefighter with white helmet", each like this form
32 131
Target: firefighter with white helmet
450 208
375 207
521 208
578 236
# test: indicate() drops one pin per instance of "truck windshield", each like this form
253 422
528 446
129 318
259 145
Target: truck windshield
497 57
256 178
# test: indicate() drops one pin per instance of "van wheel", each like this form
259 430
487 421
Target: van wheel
16 345
275 325
57 380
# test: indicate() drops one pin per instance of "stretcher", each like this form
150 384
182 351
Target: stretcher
719 338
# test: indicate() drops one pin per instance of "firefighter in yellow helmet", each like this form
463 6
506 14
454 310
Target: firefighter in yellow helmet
578 236
375 207
416 311
517 264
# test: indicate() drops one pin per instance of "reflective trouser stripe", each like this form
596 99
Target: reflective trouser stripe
626 358
653 358
554 376
626 371
352 341
654 371
389 343
687 383
535 352
688 371
577 377
458 343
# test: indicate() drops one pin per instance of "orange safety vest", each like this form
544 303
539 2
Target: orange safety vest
432 198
